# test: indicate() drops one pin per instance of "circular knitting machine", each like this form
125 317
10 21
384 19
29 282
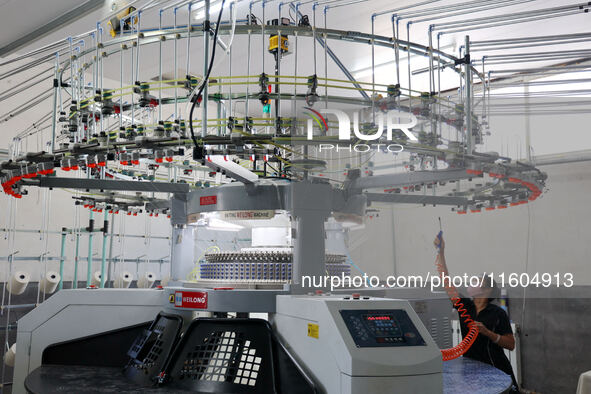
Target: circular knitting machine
131 141
136 131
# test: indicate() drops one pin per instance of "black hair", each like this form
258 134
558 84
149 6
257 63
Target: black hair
489 282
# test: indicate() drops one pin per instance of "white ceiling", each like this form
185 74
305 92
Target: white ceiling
20 17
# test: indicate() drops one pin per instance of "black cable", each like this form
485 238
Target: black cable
206 78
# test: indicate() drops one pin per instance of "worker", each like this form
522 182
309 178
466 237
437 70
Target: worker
494 328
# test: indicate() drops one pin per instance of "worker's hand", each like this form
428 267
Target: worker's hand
484 331
439 243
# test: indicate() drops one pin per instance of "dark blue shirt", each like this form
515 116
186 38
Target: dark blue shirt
483 349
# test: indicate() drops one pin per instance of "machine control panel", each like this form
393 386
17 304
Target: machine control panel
381 328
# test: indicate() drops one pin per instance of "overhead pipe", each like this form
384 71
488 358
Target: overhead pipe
521 40
73 231
459 29
540 55
94 259
501 17
448 11
509 19
398 9
472 7
532 45
10 92
345 4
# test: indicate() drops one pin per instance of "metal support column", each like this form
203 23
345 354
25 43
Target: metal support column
311 206
89 266
54 108
104 254
527 124
468 80
206 25
76 259
110 266
62 258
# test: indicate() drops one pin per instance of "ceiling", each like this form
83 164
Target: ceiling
21 18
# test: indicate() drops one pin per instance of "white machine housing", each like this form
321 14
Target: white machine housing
314 330
78 313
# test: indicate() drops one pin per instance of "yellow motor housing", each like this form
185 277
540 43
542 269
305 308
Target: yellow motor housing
115 22
274 43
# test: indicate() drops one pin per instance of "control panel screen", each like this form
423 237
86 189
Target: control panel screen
380 328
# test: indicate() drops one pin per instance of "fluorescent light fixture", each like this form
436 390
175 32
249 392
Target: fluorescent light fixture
221 225
211 221
214 8
366 71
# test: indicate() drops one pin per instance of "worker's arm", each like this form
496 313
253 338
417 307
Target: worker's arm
440 246
506 341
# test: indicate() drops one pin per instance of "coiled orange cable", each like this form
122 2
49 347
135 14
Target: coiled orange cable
462 347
